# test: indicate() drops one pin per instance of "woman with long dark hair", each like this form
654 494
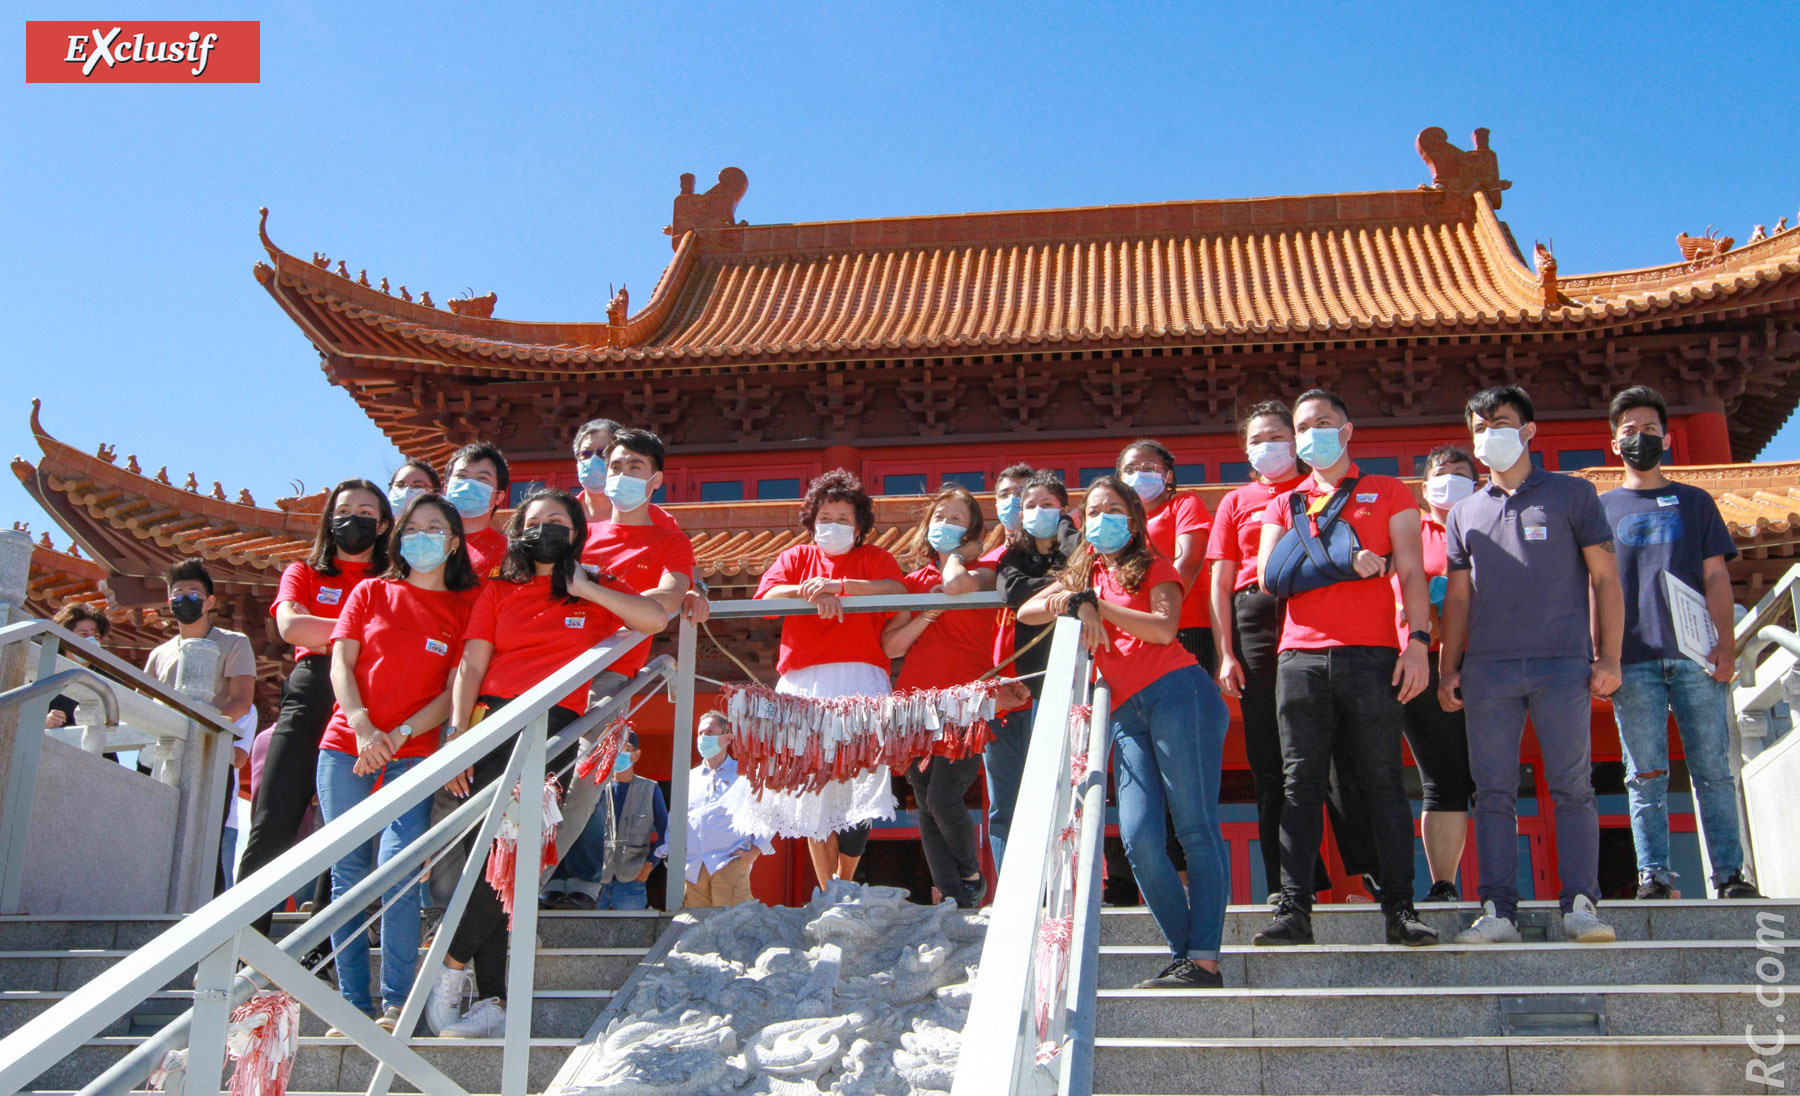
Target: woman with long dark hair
1168 724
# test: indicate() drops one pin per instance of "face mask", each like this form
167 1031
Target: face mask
1321 446
627 492
1042 521
398 497
425 551
1108 532
472 498
1448 489
188 608
622 763
592 472
710 746
546 543
1642 451
1148 485
1271 459
1009 510
944 537
834 539
353 534
1499 447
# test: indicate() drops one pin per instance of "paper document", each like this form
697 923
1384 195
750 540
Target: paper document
1694 631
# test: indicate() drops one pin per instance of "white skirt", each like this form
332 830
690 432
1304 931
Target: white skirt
840 804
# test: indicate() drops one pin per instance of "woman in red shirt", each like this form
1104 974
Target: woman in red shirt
944 648
541 611
831 654
1179 526
1168 724
349 546
392 654
412 479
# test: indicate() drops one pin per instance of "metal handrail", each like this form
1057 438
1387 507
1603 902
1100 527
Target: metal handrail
52 685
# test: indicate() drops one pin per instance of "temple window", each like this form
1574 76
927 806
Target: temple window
1570 460
974 481
777 489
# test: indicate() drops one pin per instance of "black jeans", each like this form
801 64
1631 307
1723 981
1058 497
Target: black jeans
952 849
1440 747
1340 702
289 776
481 936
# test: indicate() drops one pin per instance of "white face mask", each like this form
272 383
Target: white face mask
834 539
1271 459
1447 489
1499 447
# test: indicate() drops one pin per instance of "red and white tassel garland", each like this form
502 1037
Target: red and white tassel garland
263 1038
503 857
599 761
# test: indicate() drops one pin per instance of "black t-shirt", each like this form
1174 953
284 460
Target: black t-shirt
1675 529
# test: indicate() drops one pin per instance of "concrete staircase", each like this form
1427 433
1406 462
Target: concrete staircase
1664 1009
581 960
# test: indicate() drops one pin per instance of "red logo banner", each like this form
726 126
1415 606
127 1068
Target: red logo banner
172 52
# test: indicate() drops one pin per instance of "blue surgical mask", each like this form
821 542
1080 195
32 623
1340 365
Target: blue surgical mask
621 763
425 551
592 472
471 497
1009 510
627 493
1321 446
944 537
1108 532
1148 485
710 746
398 497
1042 521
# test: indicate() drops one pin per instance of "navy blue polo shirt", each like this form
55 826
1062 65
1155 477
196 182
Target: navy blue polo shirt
1523 552
1676 529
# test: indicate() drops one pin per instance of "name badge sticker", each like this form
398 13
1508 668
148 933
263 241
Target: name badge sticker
575 622
1537 532
329 595
1370 497
437 646
1667 500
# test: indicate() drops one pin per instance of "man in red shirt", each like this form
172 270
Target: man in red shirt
1340 681
476 481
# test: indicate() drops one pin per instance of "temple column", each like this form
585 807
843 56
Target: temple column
1708 435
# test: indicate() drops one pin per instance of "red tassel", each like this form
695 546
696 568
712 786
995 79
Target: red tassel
263 1038
503 857
606 750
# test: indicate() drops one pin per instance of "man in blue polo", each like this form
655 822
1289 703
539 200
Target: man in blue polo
1524 553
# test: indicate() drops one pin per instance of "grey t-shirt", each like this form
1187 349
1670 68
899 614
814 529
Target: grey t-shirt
236 659
1523 552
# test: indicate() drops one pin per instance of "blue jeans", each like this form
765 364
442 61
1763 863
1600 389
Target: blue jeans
1651 690
1005 762
623 894
1168 750
339 790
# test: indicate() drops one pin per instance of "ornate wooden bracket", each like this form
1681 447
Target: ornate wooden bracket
745 407
932 397
841 401
563 409
660 409
1305 371
1024 395
1408 380
1512 365
1597 372
1210 389
1720 369
1116 394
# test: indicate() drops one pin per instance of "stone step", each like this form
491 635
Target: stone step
1678 919
1518 1064
1642 962
556 928
1423 1011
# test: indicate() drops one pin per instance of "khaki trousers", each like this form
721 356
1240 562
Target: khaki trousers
729 887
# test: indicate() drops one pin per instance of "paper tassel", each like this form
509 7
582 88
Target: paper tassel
503 857
170 1074
599 761
263 1038
1052 966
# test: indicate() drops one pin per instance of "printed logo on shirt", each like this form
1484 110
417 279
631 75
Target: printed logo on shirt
1537 532
329 595
1370 496
437 646
1667 500
1650 527
575 622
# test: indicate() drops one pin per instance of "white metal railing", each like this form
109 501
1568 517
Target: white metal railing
1768 685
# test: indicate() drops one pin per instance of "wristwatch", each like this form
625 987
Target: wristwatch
1421 635
404 730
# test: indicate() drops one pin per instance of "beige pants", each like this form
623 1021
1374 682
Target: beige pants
729 887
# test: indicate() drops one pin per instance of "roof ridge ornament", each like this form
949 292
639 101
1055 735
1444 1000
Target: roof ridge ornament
1455 169
1703 250
714 209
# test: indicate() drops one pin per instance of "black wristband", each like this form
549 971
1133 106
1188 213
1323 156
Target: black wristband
1083 597
1421 635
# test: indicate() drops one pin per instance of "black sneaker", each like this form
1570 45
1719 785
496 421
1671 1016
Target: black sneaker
1651 888
1735 887
1443 891
1290 925
1404 927
976 890
1184 974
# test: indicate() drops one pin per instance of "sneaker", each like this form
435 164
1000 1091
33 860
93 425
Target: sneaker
1582 924
1443 891
445 1005
1184 974
1735 887
486 1019
389 1018
1404 927
976 889
1490 928
1274 899
1650 888
1290 925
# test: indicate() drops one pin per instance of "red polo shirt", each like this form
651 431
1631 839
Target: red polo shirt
638 556
317 594
1128 663
1347 614
855 637
1183 513
954 649
411 642
1237 527
535 634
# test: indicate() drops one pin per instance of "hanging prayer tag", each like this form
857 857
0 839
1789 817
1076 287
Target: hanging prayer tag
765 708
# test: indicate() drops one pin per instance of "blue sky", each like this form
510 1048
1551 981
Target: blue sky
520 149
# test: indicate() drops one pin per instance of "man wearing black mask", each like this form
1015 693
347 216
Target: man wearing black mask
1674 529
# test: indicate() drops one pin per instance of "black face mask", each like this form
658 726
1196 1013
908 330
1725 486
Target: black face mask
1642 451
187 609
353 534
546 543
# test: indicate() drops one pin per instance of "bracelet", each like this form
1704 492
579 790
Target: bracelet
1084 597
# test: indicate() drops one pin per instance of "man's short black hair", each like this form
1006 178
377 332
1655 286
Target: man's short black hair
1632 398
191 569
482 450
1322 394
641 442
1451 454
1488 401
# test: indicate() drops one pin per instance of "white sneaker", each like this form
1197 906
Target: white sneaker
389 1018
486 1019
1583 925
1490 928
445 1005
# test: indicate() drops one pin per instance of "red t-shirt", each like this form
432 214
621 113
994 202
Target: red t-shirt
855 637
658 516
318 595
411 642
1184 513
638 556
535 634
1128 663
486 549
1431 534
954 649
1347 614
1237 527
